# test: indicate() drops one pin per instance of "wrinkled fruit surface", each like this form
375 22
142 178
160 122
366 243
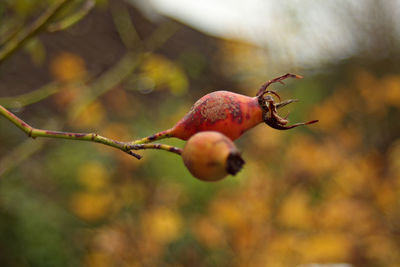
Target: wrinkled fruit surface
228 113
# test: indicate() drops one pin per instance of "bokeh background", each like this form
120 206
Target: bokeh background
326 193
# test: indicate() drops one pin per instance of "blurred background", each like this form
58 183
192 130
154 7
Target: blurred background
325 193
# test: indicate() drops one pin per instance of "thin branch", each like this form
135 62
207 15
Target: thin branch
71 20
126 147
10 28
125 27
168 148
31 97
22 36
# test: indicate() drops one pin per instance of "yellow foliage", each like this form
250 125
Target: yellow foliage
380 247
162 224
266 138
111 240
280 251
131 192
120 102
394 160
238 59
67 95
348 138
326 247
295 211
91 206
93 175
358 174
227 213
386 197
117 131
306 154
378 94
346 215
329 116
208 233
159 71
391 90
67 67
91 117
97 259
245 240
332 111
283 244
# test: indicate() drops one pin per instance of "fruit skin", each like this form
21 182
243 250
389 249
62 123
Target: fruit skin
211 156
228 113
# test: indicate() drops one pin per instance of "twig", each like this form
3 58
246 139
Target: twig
91 137
31 97
169 148
9 31
125 27
22 36
72 19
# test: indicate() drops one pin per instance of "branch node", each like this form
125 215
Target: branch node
30 133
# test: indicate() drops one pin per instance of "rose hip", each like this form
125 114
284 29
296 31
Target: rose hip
211 156
231 114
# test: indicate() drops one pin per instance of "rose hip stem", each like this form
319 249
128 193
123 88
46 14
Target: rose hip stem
90 137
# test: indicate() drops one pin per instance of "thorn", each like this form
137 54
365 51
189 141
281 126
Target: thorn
275 80
311 122
272 92
134 154
286 102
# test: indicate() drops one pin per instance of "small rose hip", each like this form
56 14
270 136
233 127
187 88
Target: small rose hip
211 156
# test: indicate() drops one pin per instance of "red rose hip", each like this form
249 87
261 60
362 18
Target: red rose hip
231 114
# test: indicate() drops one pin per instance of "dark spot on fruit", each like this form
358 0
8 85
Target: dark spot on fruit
213 109
212 163
234 163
